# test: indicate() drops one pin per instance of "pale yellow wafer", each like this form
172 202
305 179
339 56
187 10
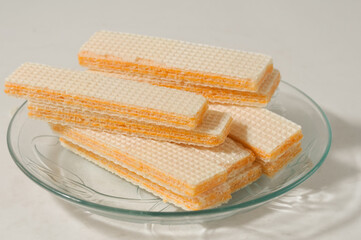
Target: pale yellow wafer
211 132
268 134
214 95
183 169
128 99
208 199
199 64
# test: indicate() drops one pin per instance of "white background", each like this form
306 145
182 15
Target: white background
316 46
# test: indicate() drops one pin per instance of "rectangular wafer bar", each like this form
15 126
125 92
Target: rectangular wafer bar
265 132
182 169
208 199
268 134
211 132
182 61
128 99
214 95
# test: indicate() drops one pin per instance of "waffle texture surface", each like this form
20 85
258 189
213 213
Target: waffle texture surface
197 63
210 198
134 100
265 132
184 169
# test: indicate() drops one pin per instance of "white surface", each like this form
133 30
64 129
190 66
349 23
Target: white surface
316 46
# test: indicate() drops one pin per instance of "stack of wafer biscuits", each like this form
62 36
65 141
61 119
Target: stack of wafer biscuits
222 75
141 112
189 177
92 100
235 78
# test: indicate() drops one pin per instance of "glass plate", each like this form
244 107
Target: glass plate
38 153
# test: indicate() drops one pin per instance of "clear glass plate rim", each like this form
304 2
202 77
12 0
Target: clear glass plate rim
253 202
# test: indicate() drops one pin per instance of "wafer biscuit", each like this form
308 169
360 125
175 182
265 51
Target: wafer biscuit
128 99
211 132
274 139
270 168
266 133
214 95
182 169
182 61
210 198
